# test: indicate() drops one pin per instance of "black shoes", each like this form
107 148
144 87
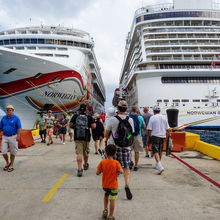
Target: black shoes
79 173
147 155
135 168
86 167
128 193
131 164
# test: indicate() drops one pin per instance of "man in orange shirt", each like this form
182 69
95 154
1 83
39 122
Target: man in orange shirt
110 168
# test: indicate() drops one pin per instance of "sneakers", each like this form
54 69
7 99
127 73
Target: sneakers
64 143
86 167
128 193
131 164
135 168
147 155
100 151
79 173
160 170
105 213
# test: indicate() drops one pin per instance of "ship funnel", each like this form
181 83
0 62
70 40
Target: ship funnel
172 115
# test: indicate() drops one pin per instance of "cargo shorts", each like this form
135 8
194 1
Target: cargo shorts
11 143
82 148
157 144
137 145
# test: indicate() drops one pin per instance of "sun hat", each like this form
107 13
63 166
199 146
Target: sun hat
10 107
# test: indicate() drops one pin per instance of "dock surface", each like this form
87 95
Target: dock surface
179 193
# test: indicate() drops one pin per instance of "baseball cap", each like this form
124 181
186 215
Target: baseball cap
123 103
10 107
82 107
156 108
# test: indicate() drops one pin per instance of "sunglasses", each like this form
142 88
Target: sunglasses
9 110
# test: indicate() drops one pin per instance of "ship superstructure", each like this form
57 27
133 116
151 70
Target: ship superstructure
48 67
172 59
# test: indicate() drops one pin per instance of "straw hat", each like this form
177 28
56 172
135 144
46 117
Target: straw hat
10 107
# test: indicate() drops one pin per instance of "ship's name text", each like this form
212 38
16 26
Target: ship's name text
60 95
203 112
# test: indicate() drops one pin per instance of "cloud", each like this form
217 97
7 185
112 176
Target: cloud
108 22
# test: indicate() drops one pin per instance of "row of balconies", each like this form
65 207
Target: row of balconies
185 50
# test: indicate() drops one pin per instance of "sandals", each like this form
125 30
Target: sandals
105 213
111 218
6 167
10 169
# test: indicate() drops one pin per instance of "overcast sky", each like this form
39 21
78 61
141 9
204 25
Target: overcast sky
107 21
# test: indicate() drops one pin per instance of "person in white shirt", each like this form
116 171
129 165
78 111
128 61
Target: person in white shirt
157 128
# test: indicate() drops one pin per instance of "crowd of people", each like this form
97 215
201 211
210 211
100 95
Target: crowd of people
121 133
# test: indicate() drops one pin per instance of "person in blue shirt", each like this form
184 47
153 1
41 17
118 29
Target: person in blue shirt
139 124
11 126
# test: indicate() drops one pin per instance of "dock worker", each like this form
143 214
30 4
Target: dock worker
157 128
11 126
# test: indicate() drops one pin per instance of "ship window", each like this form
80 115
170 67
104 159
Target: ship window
41 41
196 100
44 54
159 100
19 41
166 100
205 100
47 48
70 43
33 40
34 32
26 41
49 41
176 100
6 42
62 48
62 55
62 42
20 48
1 42
185 100
218 100
12 41
31 48
9 71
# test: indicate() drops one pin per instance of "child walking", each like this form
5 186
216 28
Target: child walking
110 168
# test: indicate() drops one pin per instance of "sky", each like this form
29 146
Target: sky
107 21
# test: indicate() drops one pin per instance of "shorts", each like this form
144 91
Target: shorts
111 193
49 131
42 132
137 145
157 144
82 148
123 157
62 131
70 130
11 143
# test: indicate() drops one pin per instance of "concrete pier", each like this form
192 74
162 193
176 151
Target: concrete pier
179 193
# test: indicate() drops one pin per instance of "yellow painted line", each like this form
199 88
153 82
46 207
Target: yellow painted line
54 189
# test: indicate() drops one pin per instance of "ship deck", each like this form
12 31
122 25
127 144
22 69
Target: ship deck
179 193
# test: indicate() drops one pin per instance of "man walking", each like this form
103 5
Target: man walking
42 130
157 128
146 117
11 126
82 123
123 153
139 124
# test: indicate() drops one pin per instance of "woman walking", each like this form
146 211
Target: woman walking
98 133
62 123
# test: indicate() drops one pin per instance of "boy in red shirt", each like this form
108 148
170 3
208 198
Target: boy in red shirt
110 168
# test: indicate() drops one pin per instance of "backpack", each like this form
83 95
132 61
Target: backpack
136 124
99 125
81 126
123 135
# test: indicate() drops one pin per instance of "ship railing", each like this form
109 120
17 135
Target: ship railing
154 8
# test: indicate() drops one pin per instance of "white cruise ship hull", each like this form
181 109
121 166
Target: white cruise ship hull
38 83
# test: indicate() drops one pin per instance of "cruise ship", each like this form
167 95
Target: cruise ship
172 59
48 67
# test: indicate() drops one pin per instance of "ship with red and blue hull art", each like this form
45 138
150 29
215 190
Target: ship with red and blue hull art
47 67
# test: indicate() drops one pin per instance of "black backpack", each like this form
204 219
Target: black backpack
123 136
81 127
